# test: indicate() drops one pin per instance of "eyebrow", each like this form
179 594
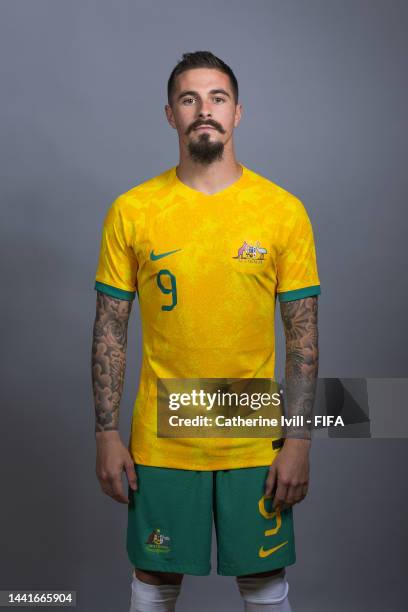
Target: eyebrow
195 93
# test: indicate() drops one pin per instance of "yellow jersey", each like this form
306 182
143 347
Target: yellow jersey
207 270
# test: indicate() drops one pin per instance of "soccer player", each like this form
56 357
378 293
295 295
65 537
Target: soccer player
209 246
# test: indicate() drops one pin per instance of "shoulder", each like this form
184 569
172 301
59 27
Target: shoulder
273 194
136 199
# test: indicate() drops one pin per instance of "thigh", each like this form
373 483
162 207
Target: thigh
251 537
158 578
170 520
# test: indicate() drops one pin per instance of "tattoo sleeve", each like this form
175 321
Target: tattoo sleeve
109 359
302 361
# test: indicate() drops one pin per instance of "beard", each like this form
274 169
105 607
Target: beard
205 152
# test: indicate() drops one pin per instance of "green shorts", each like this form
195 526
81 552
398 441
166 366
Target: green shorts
170 522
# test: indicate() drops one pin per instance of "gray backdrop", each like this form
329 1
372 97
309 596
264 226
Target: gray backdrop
324 89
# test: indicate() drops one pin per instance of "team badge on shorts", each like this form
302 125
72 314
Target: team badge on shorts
158 542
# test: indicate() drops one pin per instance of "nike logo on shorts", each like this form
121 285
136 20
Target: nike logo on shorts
265 553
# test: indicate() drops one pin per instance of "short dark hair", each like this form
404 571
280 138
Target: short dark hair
201 59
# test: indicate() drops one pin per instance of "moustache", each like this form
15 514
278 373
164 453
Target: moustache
209 122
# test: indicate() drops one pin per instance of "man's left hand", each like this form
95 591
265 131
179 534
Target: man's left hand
289 473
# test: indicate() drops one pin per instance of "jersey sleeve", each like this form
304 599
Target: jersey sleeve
117 263
297 274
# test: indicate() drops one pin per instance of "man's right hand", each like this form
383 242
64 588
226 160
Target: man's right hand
112 457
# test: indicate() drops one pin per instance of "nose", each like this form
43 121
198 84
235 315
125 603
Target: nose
204 110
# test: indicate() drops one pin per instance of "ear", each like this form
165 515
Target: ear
238 114
170 115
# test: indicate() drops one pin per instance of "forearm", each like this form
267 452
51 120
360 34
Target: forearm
302 361
109 359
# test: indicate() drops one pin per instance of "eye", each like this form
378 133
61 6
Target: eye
218 99
188 101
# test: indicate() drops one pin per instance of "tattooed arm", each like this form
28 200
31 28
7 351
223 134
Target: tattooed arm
109 359
289 472
302 361
108 372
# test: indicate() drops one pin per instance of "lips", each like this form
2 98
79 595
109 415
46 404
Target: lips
204 127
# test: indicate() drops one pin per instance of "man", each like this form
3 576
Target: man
208 246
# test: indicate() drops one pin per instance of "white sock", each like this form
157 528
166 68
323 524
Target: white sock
153 598
265 594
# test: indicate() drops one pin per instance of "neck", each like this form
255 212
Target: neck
212 178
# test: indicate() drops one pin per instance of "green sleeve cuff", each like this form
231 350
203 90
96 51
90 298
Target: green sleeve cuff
121 294
297 294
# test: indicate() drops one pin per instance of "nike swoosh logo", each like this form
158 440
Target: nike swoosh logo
155 257
265 553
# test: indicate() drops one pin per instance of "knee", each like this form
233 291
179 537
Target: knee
158 578
154 591
266 588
